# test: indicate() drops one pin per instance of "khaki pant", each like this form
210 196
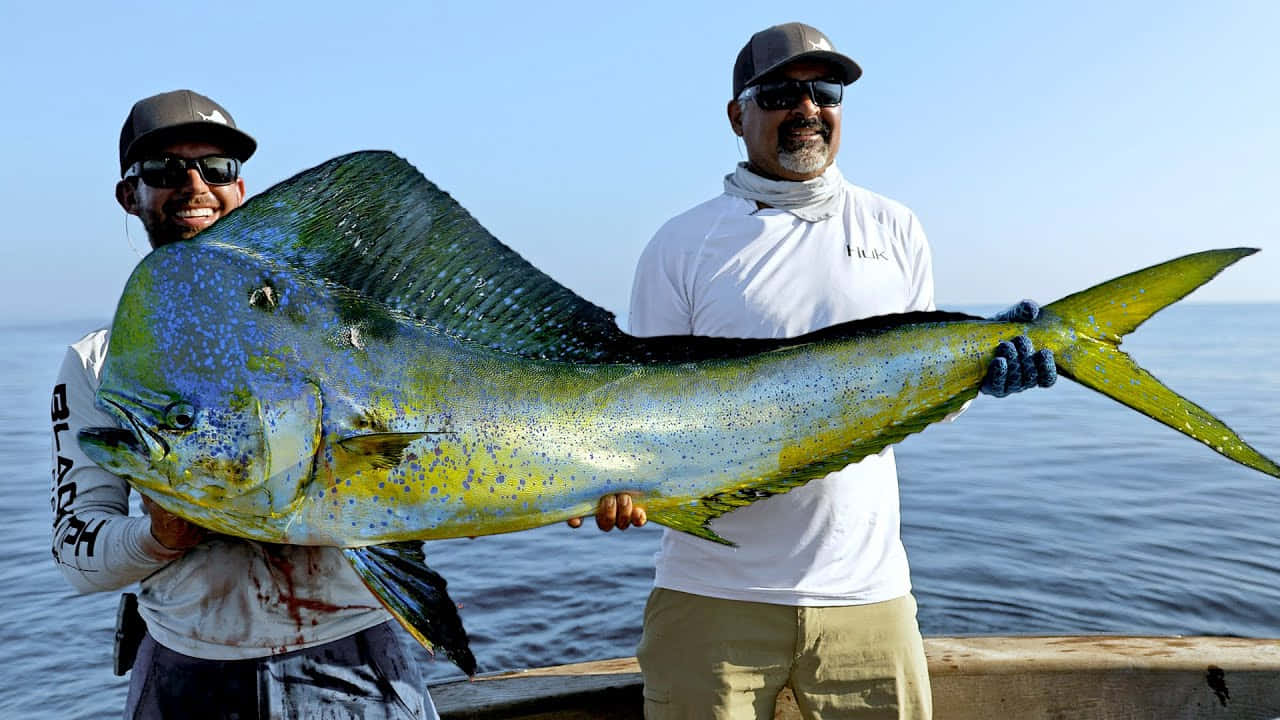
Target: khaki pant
706 658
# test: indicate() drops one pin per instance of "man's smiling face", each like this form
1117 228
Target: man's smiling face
794 144
171 214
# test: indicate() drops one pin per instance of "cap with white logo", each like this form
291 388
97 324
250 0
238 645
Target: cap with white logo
180 115
776 46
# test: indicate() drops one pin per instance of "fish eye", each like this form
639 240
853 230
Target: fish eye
180 415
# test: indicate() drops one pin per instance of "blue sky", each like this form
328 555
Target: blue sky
1045 146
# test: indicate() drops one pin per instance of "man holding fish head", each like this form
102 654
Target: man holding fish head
233 627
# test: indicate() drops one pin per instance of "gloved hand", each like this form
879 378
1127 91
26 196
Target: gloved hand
1017 366
1025 311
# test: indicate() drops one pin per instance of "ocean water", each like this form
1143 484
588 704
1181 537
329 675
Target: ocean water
1049 512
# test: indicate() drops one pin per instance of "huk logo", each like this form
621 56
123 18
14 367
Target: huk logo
820 44
868 254
214 116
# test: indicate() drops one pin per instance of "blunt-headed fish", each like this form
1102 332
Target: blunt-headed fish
351 360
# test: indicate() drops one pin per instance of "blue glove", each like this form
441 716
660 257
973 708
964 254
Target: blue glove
1025 311
1017 365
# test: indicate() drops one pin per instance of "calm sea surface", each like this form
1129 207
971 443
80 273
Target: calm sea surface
1050 512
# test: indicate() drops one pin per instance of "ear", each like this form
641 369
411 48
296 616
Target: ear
735 117
127 196
240 187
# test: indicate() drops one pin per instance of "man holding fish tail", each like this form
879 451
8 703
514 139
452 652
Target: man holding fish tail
817 594
233 628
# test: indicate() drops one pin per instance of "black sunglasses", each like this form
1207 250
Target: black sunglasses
787 94
170 171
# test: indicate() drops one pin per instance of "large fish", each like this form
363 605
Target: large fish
351 360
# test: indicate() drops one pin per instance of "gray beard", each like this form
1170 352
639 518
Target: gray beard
810 158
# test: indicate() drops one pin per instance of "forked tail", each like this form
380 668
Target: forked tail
1095 320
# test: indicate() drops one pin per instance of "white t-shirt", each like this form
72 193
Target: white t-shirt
727 269
224 599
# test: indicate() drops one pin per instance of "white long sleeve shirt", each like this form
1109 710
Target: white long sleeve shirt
728 269
224 599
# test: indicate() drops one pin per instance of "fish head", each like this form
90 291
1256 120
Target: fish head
239 455
217 419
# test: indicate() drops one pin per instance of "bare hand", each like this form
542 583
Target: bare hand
170 530
618 511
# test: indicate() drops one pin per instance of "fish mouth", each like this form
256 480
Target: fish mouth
129 453
114 449
141 433
112 438
122 448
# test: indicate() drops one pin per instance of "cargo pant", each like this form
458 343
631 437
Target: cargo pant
366 675
711 659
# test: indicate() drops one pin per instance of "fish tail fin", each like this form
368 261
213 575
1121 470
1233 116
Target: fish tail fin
1093 323
415 594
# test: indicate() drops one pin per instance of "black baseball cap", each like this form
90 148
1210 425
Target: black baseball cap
180 115
776 46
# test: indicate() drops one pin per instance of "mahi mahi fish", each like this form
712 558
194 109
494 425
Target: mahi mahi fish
351 360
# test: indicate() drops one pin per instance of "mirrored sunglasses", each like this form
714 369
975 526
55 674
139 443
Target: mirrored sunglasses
170 171
787 94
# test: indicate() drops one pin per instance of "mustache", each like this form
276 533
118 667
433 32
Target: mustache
813 123
201 199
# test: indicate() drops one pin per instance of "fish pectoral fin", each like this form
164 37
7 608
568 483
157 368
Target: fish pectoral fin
382 451
416 595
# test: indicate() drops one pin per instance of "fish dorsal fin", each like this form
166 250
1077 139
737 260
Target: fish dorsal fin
371 223
696 348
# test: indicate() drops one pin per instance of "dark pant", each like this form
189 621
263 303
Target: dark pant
366 675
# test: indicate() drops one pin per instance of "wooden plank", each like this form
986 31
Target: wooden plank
1088 678
605 689
999 654
1093 677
